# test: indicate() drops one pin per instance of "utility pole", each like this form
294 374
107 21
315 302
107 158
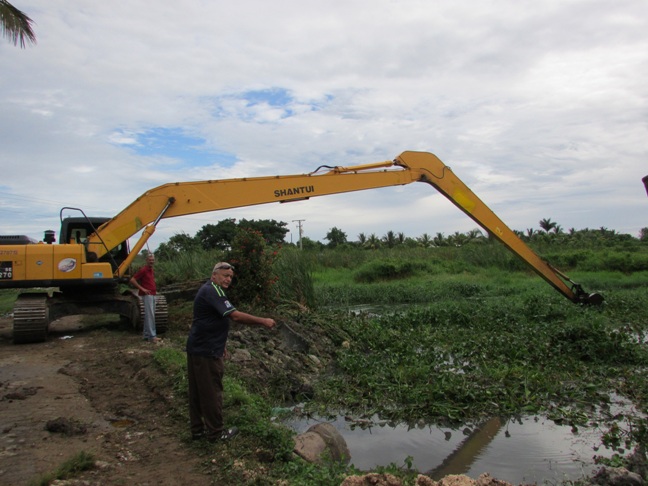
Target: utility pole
299 225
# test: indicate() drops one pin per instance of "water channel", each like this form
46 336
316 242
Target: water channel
528 450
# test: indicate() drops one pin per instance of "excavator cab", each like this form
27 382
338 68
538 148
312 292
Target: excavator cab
77 230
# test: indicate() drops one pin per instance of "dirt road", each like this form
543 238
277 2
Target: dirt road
89 390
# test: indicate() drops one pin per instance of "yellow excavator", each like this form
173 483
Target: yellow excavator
93 257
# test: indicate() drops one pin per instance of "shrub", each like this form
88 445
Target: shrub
375 271
255 282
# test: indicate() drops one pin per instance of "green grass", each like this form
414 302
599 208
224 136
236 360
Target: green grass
76 464
7 298
472 347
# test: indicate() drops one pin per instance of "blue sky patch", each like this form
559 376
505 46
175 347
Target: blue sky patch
275 97
278 97
256 101
172 142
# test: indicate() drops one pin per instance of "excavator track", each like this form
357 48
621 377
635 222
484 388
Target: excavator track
31 318
161 314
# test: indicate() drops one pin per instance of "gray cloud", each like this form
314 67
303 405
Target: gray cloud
540 107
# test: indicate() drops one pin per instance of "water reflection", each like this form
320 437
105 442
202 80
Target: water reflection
529 450
465 454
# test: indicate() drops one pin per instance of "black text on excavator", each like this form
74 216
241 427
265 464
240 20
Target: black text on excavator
93 256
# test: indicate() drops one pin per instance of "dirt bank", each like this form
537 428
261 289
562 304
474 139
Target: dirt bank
94 390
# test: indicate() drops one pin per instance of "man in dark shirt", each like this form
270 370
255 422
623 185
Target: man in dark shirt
206 349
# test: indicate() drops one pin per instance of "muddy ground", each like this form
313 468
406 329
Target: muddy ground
89 390
93 387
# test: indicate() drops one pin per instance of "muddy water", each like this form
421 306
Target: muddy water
530 450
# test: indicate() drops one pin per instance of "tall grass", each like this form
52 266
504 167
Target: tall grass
194 265
295 278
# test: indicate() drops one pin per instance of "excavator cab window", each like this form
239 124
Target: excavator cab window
77 229
80 236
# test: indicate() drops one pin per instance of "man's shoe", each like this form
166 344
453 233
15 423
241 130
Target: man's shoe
225 435
229 433
198 436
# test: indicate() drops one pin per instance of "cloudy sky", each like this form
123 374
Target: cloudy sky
540 107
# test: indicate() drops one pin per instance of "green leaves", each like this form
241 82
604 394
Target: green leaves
462 359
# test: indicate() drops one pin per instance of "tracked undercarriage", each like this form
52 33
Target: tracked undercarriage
33 312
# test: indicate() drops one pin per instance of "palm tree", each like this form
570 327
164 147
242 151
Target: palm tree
373 242
474 234
547 225
389 239
458 239
425 240
16 25
439 240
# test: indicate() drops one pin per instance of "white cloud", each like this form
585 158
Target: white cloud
541 111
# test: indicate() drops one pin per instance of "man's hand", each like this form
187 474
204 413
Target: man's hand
269 323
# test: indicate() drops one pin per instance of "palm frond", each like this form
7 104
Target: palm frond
16 25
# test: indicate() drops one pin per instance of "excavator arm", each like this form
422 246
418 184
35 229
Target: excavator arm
183 198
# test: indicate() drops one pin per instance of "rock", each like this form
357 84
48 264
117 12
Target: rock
321 442
373 479
617 476
456 480
241 355
65 426
335 443
310 447
486 479
422 480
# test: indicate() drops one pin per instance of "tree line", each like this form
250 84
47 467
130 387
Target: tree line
548 232
220 236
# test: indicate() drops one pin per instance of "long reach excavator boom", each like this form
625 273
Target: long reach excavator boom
96 252
179 199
